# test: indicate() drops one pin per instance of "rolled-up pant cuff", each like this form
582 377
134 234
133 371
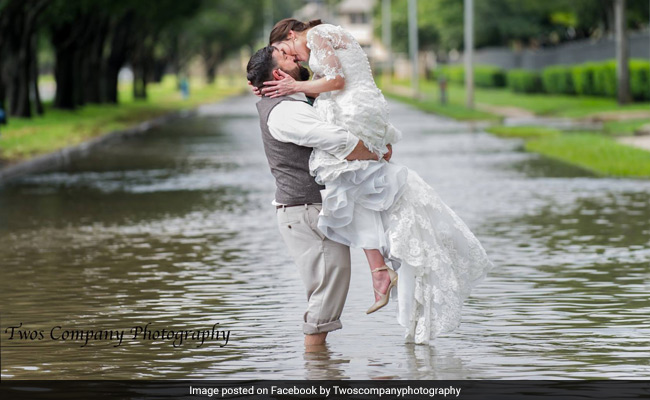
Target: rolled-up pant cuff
310 328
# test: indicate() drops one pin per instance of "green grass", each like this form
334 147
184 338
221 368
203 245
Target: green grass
526 132
541 104
594 151
624 128
451 110
597 153
23 138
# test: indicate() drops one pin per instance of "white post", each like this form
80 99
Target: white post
469 53
413 46
622 57
387 38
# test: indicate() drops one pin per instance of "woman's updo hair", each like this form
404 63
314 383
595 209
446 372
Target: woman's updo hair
281 30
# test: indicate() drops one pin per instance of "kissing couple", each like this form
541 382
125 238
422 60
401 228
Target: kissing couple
336 188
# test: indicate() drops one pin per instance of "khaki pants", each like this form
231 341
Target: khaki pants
324 267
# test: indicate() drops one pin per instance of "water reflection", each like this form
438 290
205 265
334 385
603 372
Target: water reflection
175 228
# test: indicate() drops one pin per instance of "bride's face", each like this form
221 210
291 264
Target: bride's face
295 45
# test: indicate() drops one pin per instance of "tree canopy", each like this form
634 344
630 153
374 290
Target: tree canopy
93 39
510 22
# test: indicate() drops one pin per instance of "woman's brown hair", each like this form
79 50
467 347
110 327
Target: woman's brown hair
281 30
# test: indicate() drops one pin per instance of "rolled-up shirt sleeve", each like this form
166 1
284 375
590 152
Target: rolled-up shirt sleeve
299 123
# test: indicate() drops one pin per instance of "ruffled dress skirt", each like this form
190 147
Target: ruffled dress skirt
382 205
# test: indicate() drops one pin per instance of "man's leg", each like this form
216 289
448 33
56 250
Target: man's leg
315 339
324 267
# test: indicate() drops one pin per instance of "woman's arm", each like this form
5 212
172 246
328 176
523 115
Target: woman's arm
288 85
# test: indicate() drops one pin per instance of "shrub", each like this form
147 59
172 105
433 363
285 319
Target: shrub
524 81
489 76
605 79
453 73
558 80
640 80
484 75
583 79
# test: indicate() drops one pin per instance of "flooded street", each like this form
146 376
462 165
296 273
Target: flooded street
175 228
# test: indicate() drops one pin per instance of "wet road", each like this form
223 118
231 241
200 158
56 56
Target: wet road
175 228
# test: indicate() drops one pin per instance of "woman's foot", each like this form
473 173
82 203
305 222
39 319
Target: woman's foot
382 297
380 282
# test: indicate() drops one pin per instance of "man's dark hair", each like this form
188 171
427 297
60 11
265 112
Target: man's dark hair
261 66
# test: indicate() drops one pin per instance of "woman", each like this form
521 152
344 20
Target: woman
384 208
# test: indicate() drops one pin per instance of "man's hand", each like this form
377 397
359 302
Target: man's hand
256 91
388 154
361 152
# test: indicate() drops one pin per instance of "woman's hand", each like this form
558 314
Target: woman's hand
283 87
256 91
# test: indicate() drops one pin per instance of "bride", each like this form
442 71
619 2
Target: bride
382 207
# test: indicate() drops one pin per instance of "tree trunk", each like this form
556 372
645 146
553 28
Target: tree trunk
78 90
120 49
65 40
138 79
3 96
158 71
4 51
93 65
210 73
65 78
110 82
211 57
22 24
35 92
21 106
143 60
609 17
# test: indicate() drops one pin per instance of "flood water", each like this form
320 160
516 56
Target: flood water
175 228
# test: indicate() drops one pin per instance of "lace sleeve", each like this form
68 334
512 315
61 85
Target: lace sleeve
324 40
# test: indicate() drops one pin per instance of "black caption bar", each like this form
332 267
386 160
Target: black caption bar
388 390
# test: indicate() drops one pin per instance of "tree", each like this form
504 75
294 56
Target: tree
151 19
223 27
18 69
428 34
94 39
512 22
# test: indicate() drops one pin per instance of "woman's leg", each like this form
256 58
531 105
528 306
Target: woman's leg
380 279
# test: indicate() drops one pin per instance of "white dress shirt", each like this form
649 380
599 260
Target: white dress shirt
299 123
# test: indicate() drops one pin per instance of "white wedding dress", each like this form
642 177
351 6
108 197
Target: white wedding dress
385 206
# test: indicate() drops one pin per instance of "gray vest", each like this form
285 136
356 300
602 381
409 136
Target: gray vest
289 162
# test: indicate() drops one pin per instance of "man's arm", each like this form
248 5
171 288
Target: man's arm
299 123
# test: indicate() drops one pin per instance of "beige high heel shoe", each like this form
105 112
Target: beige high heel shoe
383 300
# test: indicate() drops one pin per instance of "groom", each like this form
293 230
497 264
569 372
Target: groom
291 128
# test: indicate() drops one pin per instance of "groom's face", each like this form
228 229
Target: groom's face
287 64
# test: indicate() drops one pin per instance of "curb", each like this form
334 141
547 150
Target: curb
63 156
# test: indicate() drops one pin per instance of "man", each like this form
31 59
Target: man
291 128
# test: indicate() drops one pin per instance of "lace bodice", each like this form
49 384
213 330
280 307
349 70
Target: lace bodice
359 106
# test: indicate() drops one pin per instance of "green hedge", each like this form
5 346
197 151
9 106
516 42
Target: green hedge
489 76
605 79
640 80
454 73
484 75
524 81
588 79
583 79
599 79
558 80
